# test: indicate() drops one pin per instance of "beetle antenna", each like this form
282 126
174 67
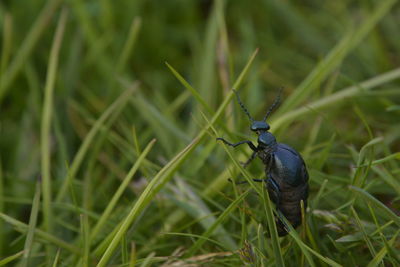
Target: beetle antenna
242 105
276 102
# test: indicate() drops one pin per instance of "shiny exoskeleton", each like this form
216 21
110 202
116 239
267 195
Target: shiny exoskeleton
287 177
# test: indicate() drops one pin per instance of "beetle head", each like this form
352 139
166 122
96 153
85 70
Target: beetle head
258 126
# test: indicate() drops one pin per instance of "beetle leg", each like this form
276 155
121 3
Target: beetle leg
244 165
249 143
273 185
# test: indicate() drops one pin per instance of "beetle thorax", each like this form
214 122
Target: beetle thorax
266 140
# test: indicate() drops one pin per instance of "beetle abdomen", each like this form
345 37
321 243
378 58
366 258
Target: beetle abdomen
289 205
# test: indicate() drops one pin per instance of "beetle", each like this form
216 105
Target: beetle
285 169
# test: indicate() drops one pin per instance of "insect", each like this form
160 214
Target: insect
286 172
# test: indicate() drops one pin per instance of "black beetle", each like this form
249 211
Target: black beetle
287 181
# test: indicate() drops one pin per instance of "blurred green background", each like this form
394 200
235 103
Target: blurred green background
84 88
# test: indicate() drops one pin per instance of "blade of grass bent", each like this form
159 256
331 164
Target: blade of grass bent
388 178
383 160
110 207
367 196
22 227
45 135
83 149
329 63
336 98
188 200
364 233
9 259
164 175
190 88
197 245
382 252
147 195
306 249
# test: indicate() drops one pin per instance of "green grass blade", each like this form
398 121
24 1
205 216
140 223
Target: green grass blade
206 64
11 258
382 252
41 23
385 159
129 44
364 233
321 71
197 245
364 148
32 226
335 57
56 259
368 197
188 200
22 227
196 95
85 240
112 204
239 80
272 228
336 98
306 249
358 178
45 134
132 261
386 176
89 138
6 45
147 195
2 234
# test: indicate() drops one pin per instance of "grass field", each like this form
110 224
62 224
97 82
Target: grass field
109 113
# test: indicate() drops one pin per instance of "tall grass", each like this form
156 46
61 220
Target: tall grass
110 110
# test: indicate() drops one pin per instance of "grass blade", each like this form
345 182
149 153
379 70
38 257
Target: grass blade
32 226
27 45
336 98
197 245
2 235
78 160
272 228
378 259
332 60
22 227
364 233
11 258
111 206
45 134
367 196
196 95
